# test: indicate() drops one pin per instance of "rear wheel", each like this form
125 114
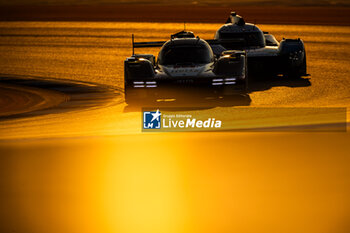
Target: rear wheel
246 84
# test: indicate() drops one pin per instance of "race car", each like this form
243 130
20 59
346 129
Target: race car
184 63
266 56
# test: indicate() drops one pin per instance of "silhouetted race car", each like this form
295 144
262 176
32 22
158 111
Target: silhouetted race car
265 54
185 62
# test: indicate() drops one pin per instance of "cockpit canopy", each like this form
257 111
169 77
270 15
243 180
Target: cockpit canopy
240 36
185 51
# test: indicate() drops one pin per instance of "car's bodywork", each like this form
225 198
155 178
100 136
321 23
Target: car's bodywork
265 54
184 62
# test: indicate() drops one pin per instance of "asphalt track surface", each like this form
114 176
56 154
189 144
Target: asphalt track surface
94 53
74 158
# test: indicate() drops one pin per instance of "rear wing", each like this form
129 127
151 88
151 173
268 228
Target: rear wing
160 43
145 44
220 41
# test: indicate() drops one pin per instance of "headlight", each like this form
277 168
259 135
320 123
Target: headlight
295 56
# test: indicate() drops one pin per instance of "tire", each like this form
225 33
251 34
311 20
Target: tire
303 66
246 84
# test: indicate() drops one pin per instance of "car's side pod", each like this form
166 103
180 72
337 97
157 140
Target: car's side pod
224 63
139 67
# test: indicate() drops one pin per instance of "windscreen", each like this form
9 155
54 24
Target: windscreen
246 39
182 55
